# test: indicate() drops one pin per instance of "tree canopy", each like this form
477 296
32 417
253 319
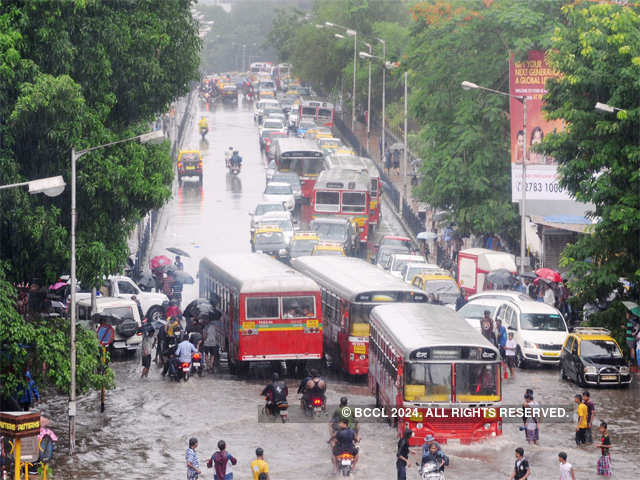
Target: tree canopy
597 52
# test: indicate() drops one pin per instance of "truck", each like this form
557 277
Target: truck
475 263
153 304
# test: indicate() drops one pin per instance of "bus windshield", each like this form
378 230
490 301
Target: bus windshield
311 165
328 201
426 382
477 382
354 202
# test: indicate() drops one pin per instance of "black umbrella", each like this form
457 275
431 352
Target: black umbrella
146 281
501 277
530 275
203 307
178 251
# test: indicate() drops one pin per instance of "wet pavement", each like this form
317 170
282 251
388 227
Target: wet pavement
145 429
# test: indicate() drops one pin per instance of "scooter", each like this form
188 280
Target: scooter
203 132
345 464
282 408
430 471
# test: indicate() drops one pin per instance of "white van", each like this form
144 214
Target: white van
120 313
538 329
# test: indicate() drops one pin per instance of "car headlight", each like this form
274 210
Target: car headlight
590 370
528 344
282 252
624 370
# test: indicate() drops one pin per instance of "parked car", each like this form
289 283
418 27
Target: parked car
539 331
280 192
189 165
153 304
120 313
591 357
338 230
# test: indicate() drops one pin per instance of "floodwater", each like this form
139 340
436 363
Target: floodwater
147 423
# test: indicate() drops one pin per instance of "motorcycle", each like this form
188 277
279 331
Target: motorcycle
430 471
196 364
203 132
234 169
345 464
184 371
313 408
282 407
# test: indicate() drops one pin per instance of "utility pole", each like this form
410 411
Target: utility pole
404 166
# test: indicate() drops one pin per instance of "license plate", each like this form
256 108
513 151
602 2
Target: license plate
551 354
346 462
119 344
191 168
248 325
609 377
312 323
317 409
185 369
196 364
359 349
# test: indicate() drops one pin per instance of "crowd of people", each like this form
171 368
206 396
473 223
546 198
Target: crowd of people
222 463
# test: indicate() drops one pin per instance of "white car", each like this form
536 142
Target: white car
280 192
538 329
502 295
272 125
120 313
473 310
264 209
258 107
281 219
411 269
398 260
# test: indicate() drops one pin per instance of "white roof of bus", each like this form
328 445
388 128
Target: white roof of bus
350 276
339 179
491 260
256 273
418 325
297 144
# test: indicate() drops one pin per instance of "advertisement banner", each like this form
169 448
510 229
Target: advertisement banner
527 78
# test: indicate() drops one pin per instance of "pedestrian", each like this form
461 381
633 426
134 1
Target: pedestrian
531 429
501 334
566 470
259 466
549 297
140 312
631 328
581 426
193 466
28 393
148 342
402 456
387 160
591 411
221 462
396 161
461 301
486 325
604 462
510 353
178 263
521 470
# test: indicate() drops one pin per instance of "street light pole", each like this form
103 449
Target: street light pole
152 137
523 202
384 92
244 48
353 94
368 45
404 166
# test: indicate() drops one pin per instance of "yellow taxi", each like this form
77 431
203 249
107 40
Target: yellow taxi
328 248
440 288
590 356
189 165
303 243
344 151
269 239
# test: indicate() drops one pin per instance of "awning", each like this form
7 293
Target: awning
570 223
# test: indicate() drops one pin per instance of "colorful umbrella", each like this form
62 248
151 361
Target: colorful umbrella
160 261
633 307
549 274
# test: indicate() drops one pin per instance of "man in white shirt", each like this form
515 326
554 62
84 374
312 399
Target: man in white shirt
549 297
510 353
566 470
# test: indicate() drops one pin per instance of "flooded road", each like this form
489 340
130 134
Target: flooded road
144 432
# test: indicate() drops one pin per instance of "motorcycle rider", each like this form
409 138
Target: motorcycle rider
276 393
345 443
184 351
236 159
227 156
435 455
203 126
339 416
312 385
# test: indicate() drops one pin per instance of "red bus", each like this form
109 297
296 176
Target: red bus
425 359
269 311
350 288
301 156
345 193
319 111
362 164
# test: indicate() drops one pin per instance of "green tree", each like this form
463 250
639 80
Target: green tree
597 51
464 138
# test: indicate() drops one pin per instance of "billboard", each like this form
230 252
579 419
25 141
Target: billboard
527 78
